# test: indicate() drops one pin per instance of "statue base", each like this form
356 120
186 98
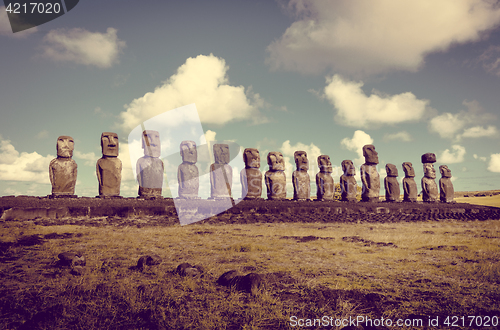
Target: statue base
370 199
61 196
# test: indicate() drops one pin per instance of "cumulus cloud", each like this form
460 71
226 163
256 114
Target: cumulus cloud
6 29
356 109
480 158
201 80
459 125
494 164
16 166
357 36
90 158
356 143
399 136
456 155
83 47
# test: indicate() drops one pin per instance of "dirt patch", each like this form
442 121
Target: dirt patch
366 242
303 239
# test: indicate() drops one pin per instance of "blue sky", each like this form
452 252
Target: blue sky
322 76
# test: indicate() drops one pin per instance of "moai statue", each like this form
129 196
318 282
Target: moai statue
250 176
325 187
300 177
62 170
149 168
109 167
409 184
391 183
187 172
447 193
429 186
275 177
348 185
369 175
221 173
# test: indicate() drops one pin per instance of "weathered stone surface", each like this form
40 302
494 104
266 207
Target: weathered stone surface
369 175
325 187
447 192
150 168
78 270
187 172
371 156
250 283
226 278
186 269
409 185
428 158
348 184
391 183
275 178
300 178
221 173
148 260
429 186
63 169
109 167
250 176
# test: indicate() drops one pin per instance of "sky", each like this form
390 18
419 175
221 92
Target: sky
325 77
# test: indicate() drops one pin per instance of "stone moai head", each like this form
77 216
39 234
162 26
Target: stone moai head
301 160
151 143
251 157
221 153
391 170
109 144
324 164
348 168
65 146
408 169
429 171
189 153
445 171
275 161
371 156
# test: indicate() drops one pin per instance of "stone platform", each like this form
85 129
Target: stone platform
98 211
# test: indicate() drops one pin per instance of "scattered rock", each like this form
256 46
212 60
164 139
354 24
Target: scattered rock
77 270
186 269
148 260
225 279
250 283
71 259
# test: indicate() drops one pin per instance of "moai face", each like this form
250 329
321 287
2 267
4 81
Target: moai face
391 170
301 160
251 157
188 152
429 171
371 156
445 171
275 161
221 153
324 163
348 168
65 146
151 143
109 144
408 169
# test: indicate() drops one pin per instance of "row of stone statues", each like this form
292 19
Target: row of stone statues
150 169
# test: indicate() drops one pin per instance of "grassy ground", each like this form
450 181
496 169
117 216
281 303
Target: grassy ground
395 270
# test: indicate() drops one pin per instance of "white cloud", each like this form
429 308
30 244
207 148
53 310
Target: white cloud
357 36
455 156
83 47
399 136
479 131
356 109
447 125
490 60
42 134
480 158
494 165
15 166
6 29
359 139
201 80
89 157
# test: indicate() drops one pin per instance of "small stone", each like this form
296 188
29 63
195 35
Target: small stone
77 270
250 283
226 278
148 260
181 269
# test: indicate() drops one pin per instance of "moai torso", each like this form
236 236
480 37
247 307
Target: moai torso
325 188
149 168
369 175
250 176
221 173
391 184
109 167
187 172
300 178
63 169
409 185
348 185
275 177
429 186
447 192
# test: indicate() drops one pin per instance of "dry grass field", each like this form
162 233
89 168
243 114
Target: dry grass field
408 271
